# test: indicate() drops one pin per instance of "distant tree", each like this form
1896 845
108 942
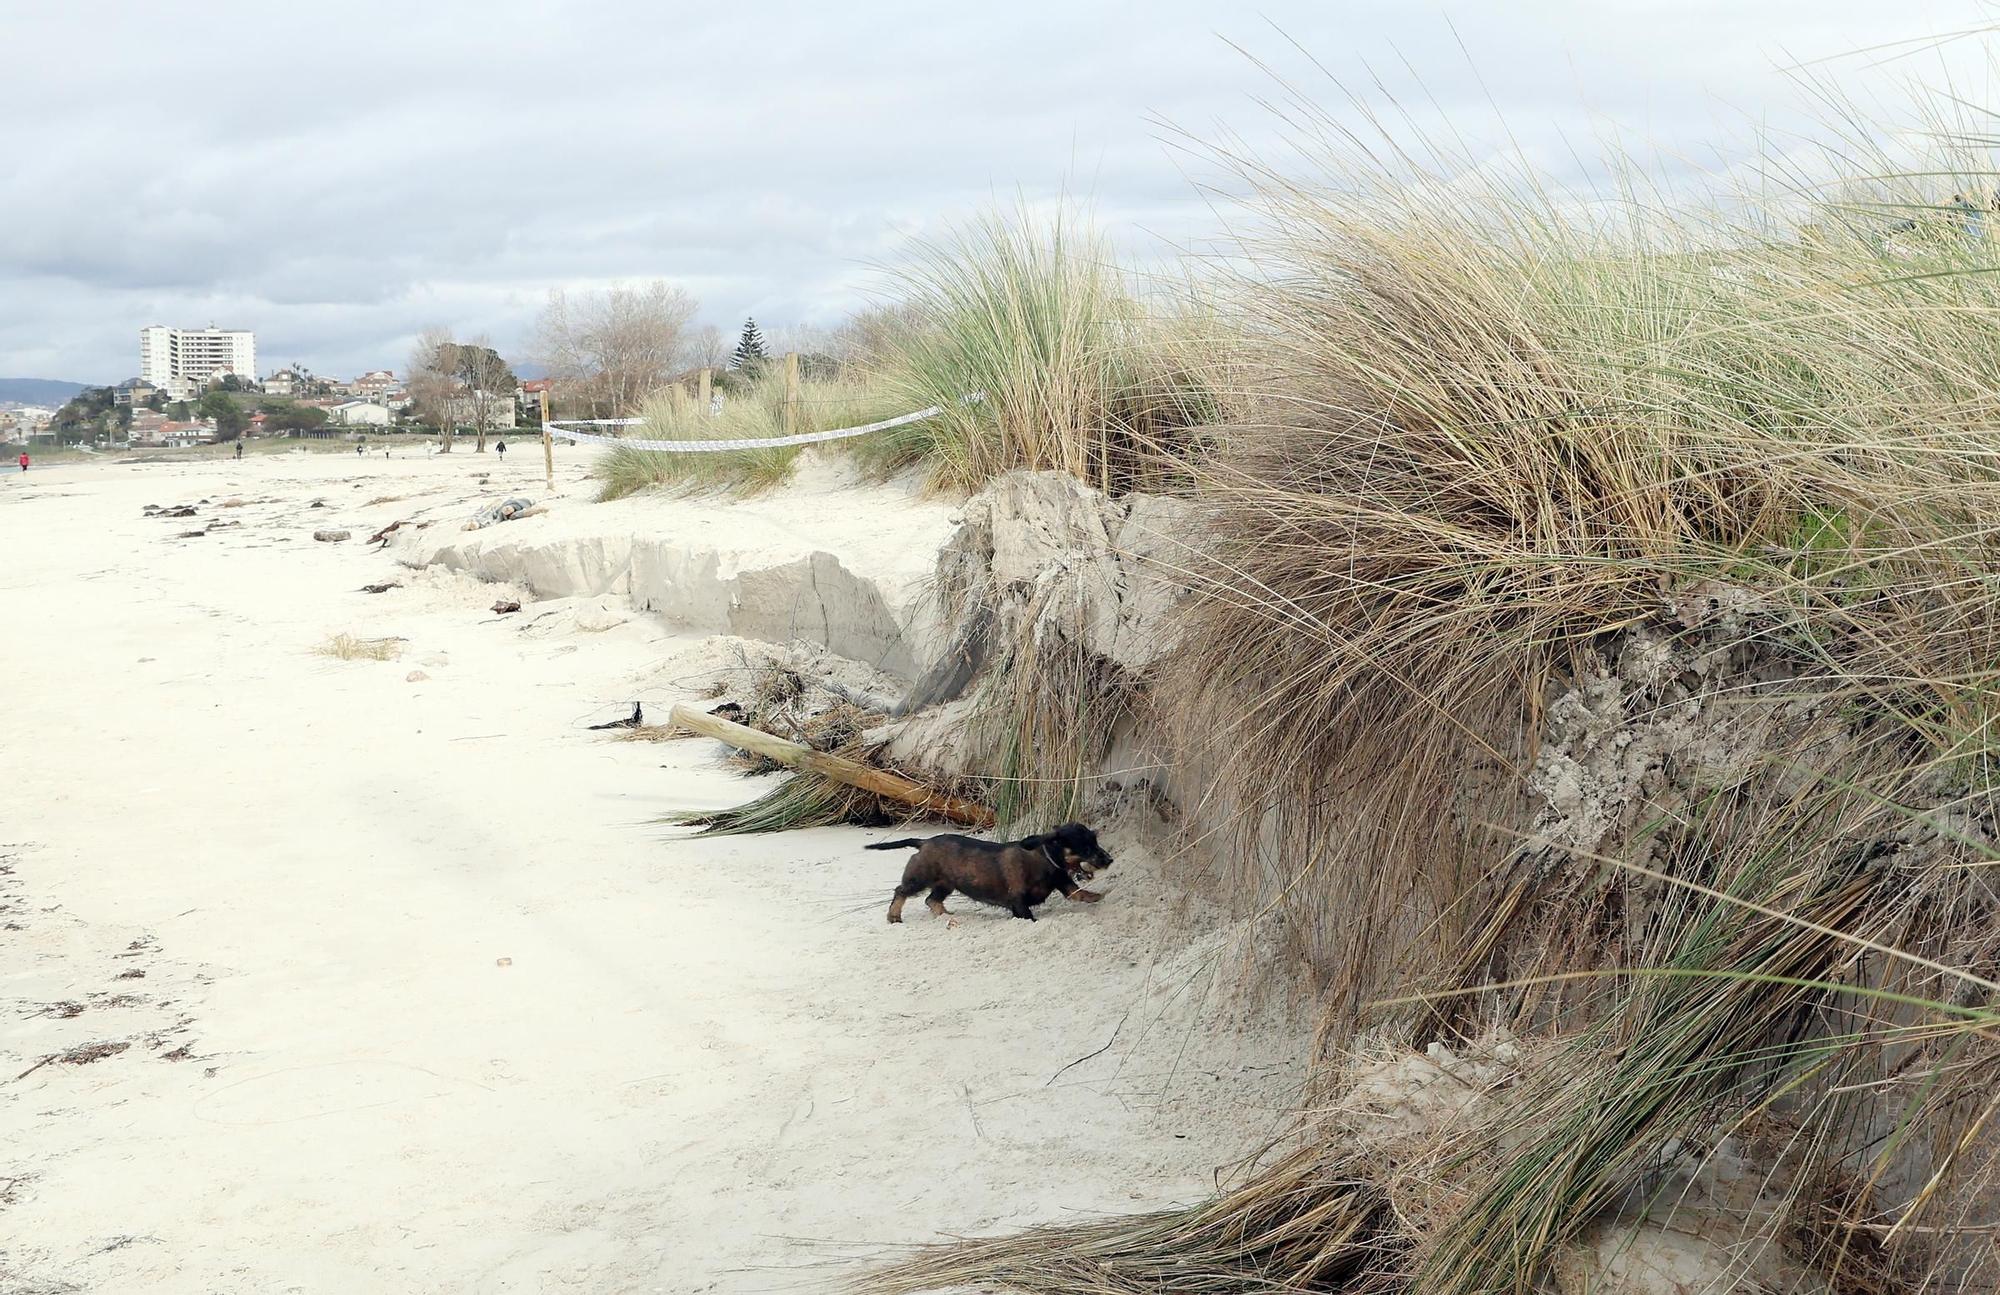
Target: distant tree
157 402
431 384
293 418
818 349
487 385
230 382
870 336
180 411
86 416
230 420
460 382
707 349
749 355
609 350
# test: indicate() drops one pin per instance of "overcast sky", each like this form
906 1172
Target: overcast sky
337 176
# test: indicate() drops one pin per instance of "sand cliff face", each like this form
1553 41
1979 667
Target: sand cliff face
1039 576
831 561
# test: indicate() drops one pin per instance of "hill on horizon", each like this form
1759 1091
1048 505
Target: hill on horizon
38 391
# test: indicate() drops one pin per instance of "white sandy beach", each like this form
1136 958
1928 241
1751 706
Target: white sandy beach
414 996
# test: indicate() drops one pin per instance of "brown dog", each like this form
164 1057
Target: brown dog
1014 875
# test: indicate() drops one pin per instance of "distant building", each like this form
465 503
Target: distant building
284 382
146 426
24 422
373 384
359 413
500 410
149 428
133 391
181 361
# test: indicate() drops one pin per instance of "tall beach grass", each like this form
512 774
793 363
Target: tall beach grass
1481 440
1041 353
756 411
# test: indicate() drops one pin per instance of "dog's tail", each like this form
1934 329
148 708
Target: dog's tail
894 845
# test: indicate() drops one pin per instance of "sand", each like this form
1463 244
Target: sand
413 996
845 561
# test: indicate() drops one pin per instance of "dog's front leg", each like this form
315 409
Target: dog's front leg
1076 894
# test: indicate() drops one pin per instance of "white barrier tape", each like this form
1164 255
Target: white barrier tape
563 428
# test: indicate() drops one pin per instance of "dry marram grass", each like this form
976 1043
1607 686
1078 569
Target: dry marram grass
350 647
1490 466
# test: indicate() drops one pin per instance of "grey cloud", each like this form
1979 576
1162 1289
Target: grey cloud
337 179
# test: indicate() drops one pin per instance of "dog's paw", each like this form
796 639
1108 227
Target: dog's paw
1086 897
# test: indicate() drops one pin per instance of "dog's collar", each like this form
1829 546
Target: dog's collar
1049 853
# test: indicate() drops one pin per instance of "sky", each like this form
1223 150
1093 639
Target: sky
340 176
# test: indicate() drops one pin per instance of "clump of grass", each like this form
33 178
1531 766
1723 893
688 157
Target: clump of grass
1039 353
774 696
1481 437
1309 1222
349 647
804 799
653 733
755 410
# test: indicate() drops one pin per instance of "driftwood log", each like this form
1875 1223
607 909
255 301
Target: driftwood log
796 755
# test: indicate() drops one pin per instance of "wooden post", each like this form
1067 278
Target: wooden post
893 786
707 405
548 444
791 393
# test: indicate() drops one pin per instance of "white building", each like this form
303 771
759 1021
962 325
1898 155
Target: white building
182 361
359 413
464 411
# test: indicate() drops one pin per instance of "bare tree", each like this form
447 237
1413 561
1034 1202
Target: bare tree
707 348
459 384
432 384
872 334
619 345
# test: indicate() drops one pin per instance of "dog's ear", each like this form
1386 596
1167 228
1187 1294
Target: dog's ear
1031 842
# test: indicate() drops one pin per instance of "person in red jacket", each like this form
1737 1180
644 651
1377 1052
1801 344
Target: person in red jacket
24 460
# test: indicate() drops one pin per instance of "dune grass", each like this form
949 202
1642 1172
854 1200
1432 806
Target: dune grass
756 412
350 647
1478 442
1041 353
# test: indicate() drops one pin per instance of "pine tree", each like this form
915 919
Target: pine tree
749 356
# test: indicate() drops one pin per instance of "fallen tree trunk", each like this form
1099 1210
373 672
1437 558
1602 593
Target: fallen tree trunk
892 786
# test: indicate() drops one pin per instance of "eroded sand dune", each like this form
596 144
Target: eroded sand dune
412 997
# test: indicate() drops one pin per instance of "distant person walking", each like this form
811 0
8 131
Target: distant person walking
24 460
501 447
239 449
